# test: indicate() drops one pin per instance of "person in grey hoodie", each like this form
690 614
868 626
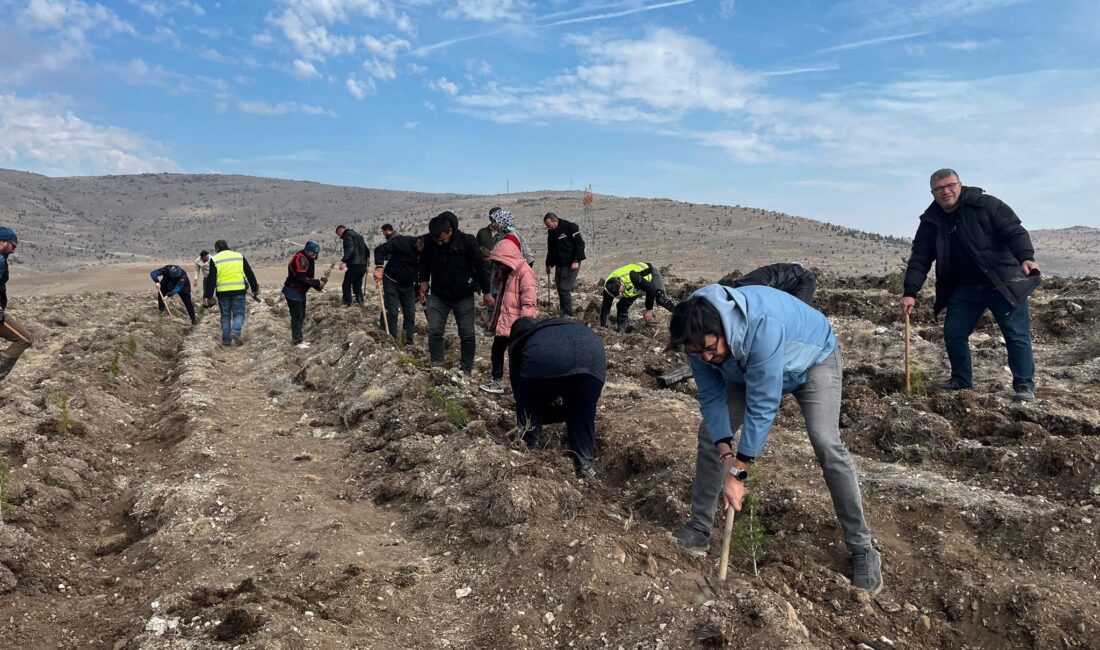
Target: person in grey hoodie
747 347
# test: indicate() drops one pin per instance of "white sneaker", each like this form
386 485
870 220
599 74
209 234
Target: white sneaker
304 345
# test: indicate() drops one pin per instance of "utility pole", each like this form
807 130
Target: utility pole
589 219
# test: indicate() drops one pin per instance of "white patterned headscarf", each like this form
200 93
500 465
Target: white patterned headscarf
505 219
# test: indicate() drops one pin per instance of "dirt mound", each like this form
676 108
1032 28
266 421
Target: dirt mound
167 492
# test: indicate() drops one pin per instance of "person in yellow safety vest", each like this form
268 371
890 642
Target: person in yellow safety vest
230 278
628 282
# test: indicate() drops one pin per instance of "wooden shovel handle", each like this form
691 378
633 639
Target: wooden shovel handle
723 566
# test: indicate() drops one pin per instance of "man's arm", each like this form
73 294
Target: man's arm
578 246
712 400
921 257
763 386
481 272
605 308
349 248
1008 229
157 274
251 277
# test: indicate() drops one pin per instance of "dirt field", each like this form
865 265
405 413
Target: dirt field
165 492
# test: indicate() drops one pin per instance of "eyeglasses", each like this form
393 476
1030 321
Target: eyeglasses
701 353
942 189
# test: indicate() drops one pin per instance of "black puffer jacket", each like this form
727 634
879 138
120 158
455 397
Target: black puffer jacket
993 235
788 277
455 269
355 249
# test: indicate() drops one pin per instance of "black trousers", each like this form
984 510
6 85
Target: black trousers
579 395
500 345
297 318
185 296
353 282
397 297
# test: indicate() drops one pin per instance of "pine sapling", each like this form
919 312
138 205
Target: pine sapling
748 533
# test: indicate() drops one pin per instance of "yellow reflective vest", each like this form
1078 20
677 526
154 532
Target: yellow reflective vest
623 274
230 266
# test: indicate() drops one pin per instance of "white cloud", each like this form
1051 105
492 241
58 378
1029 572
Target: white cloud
726 8
411 125
303 70
43 134
443 85
259 107
486 11
387 47
308 24
162 9
359 89
871 42
69 23
619 13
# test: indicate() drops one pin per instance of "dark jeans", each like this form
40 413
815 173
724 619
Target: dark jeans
396 296
500 345
964 309
353 282
233 312
819 399
438 311
185 296
564 279
579 395
297 318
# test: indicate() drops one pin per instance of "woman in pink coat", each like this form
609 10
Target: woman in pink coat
517 296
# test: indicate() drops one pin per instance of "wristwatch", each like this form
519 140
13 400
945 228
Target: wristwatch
739 474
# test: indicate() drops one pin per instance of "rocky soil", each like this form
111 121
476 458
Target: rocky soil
165 492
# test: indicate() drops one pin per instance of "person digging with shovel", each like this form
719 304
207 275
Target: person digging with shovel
10 330
748 347
172 280
299 280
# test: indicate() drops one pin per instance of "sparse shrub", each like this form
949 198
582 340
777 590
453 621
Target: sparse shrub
456 413
5 477
748 533
131 348
410 360
916 379
114 367
64 418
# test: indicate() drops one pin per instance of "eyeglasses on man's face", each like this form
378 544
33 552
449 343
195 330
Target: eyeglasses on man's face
944 189
705 353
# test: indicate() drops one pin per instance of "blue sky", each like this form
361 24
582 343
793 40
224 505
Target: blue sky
830 110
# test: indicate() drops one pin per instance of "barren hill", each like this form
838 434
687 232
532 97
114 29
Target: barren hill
157 218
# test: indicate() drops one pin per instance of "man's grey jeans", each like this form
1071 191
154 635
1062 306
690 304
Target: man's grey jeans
819 398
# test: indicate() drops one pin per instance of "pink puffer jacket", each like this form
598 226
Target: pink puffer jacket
519 296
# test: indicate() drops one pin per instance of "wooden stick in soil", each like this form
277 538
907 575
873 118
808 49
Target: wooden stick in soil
723 566
15 332
382 304
164 301
907 363
549 304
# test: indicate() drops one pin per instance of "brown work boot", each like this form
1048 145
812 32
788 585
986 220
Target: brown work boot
6 364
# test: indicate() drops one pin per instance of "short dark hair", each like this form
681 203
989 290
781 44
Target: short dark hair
387 226
692 321
493 210
206 253
550 215
440 224
613 286
221 245
341 227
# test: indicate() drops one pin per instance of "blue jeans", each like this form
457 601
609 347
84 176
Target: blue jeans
232 308
819 399
964 309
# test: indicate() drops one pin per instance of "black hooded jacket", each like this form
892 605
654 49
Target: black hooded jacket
355 249
788 277
993 235
455 269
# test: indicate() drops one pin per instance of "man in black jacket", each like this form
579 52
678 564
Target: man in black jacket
558 368
789 277
355 261
171 280
564 253
10 330
451 264
984 260
299 280
401 256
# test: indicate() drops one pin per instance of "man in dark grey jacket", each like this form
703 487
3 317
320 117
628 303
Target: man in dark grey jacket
355 261
984 260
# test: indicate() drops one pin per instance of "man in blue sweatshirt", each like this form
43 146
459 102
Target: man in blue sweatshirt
747 348
171 281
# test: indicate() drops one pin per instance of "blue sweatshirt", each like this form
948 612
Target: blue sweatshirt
774 340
